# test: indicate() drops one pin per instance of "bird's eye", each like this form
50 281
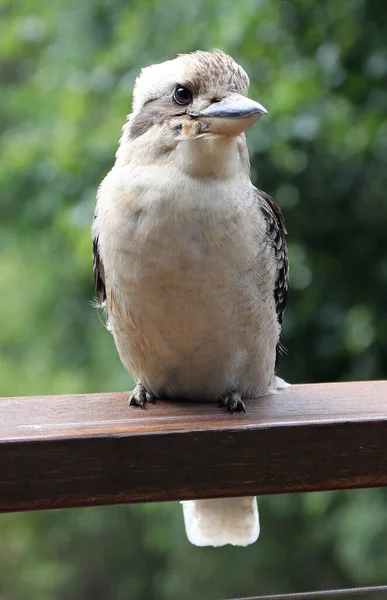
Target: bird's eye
182 95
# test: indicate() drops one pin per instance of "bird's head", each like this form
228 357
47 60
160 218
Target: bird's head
197 95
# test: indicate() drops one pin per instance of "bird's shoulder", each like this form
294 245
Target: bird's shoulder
99 274
276 232
117 206
98 268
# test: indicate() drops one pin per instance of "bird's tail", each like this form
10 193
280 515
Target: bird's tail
222 521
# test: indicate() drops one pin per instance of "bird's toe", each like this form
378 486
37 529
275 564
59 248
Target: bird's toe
233 402
140 396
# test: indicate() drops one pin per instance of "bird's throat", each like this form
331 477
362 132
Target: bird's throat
213 156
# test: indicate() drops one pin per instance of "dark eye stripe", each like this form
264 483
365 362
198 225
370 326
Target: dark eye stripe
154 112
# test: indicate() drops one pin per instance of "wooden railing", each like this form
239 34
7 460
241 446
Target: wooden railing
84 450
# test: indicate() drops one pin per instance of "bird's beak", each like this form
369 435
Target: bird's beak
231 115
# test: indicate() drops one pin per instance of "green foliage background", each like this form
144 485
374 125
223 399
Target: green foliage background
67 70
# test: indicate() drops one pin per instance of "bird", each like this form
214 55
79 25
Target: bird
190 259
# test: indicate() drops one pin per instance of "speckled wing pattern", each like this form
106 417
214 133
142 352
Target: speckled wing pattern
99 274
276 231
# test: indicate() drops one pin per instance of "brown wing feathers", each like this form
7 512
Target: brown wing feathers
276 231
99 274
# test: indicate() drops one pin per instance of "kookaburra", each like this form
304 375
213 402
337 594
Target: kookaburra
190 258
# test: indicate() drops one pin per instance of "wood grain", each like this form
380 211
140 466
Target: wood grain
82 450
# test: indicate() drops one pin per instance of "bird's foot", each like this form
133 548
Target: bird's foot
278 384
233 402
140 396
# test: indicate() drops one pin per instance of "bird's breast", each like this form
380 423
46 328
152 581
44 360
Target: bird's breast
190 282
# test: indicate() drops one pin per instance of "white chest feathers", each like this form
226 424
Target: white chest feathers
189 278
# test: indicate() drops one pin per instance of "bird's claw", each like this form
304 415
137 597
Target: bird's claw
233 402
140 396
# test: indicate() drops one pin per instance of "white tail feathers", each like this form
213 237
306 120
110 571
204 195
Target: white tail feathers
224 521
278 384
221 521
